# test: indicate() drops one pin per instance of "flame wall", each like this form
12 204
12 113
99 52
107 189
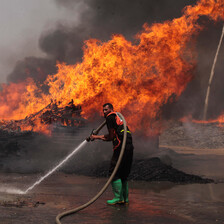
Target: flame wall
138 78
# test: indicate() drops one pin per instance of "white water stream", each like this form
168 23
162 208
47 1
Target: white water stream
56 167
17 191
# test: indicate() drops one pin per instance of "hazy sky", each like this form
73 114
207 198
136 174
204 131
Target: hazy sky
21 24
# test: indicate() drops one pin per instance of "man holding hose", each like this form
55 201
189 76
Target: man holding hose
115 134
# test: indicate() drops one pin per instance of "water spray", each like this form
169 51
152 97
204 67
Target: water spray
17 191
60 164
94 131
57 167
11 190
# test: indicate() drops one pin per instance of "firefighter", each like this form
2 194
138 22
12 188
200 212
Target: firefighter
115 134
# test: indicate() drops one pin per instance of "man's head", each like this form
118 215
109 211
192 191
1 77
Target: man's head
107 108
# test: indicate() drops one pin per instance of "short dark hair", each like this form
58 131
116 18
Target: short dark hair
109 105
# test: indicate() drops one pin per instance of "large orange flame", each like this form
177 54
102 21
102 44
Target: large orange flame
138 78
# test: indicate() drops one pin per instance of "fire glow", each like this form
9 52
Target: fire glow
218 121
137 78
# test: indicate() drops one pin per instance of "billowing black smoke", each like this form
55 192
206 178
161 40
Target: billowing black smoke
36 68
102 18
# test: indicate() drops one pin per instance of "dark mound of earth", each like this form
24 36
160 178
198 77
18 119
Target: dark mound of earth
151 169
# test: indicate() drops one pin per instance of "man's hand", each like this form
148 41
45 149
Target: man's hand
93 137
101 137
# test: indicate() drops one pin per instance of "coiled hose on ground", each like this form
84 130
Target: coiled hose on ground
69 212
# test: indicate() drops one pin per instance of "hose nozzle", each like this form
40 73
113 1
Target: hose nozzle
88 139
95 132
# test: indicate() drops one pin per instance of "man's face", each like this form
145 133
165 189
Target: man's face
106 110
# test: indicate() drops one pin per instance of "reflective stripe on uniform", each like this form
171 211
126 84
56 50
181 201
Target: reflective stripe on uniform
127 131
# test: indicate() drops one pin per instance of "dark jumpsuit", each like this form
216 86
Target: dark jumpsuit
125 166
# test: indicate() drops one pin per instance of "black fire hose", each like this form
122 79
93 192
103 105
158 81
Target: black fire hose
69 212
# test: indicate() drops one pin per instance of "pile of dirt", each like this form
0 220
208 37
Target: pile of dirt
151 169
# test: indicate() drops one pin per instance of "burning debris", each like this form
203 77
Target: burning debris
43 120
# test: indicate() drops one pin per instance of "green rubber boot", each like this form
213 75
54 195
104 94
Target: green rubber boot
125 191
117 190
